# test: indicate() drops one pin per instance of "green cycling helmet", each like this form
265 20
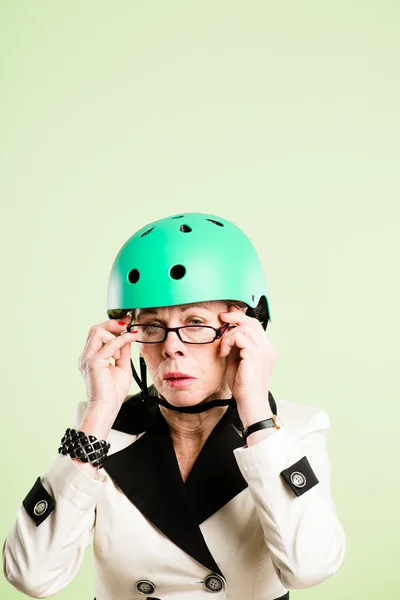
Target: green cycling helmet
182 259
195 257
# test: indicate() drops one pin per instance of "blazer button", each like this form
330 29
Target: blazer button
213 583
144 586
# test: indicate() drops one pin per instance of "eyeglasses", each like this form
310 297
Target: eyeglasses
188 334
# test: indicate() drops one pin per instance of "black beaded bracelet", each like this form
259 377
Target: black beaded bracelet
85 447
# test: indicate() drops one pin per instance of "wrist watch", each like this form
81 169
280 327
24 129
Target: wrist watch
274 422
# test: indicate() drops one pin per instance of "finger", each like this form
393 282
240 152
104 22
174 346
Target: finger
112 325
237 339
234 315
109 349
234 356
97 338
246 354
124 358
253 337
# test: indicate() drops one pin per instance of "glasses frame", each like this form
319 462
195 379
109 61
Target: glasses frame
219 332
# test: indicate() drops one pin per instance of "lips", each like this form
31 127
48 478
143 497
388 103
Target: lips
178 375
180 382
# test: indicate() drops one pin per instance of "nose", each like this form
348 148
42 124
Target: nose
172 346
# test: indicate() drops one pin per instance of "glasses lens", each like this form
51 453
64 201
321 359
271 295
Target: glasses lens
149 333
198 335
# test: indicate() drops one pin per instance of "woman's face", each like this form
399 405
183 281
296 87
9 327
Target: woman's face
202 362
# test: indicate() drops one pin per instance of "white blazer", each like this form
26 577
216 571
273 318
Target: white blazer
249 523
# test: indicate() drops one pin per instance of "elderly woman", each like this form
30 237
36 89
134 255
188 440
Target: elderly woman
201 483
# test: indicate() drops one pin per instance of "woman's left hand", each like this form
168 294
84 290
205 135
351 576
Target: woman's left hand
251 358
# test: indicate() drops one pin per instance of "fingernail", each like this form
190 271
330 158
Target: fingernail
121 323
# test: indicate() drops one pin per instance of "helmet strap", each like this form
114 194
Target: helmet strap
145 396
143 375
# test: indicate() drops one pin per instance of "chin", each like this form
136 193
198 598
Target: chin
183 397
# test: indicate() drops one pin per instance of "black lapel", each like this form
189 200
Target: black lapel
147 472
215 477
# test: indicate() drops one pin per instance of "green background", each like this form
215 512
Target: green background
282 117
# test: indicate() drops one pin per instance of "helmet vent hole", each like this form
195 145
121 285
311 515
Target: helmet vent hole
253 297
216 222
185 228
134 276
180 217
177 272
147 232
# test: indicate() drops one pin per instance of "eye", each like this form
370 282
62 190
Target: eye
199 322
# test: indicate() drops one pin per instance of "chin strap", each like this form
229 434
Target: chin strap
144 394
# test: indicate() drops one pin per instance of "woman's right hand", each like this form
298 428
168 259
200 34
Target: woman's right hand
107 385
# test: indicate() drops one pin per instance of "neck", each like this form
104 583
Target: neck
191 430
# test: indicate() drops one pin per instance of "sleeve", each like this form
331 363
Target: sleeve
45 546
289 481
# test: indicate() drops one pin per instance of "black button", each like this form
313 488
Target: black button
300 477
38 503
213 583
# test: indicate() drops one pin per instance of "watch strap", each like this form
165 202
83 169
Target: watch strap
266 423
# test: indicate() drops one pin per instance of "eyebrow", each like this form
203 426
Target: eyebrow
152 311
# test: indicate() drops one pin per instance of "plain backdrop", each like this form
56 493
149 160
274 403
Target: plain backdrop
282 117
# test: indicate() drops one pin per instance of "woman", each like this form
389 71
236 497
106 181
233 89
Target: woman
201 483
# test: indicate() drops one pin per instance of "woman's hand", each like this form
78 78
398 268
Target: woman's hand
250 361
107 385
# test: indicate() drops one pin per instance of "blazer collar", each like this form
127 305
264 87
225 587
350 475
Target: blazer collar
158 490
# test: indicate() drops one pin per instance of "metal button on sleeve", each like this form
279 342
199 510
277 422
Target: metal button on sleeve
213 583
300 476
298 479
40 507
38 503
144 586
